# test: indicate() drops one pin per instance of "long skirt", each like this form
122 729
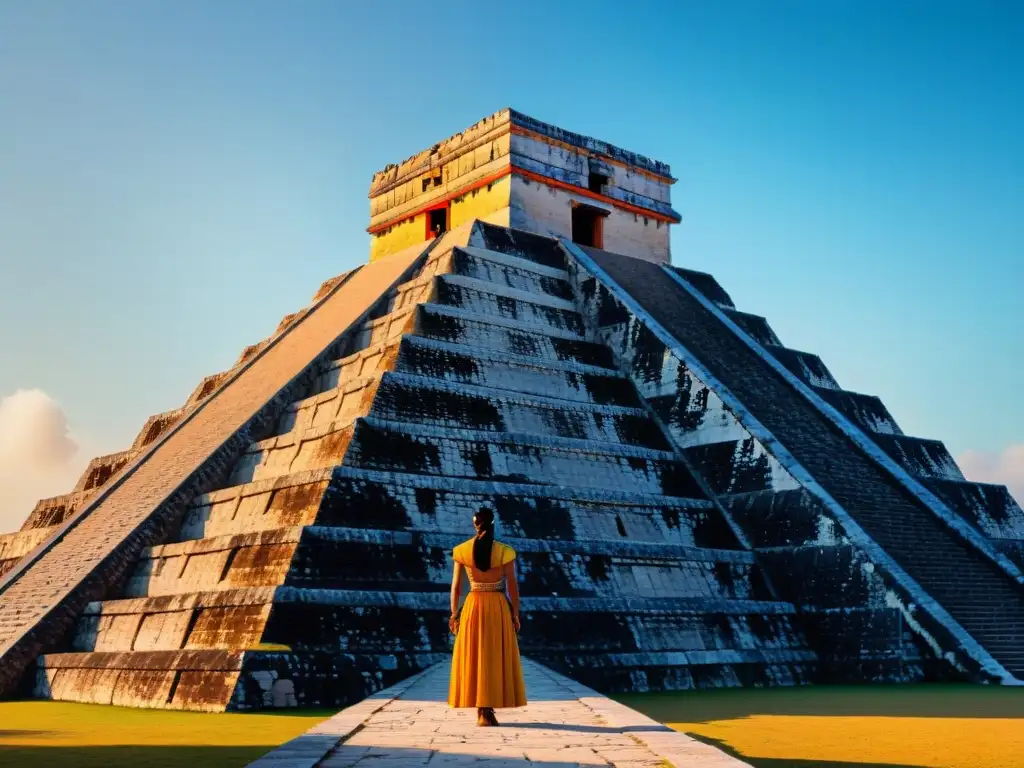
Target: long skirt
486 670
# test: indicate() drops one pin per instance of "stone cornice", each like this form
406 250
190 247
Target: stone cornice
501 123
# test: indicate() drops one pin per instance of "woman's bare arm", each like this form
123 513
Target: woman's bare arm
455 595
513 590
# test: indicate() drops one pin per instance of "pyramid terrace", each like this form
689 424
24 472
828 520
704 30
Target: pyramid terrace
694 503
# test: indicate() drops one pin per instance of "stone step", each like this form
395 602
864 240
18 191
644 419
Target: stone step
208 385
474 295
788 518
14 546
639 673
365 363
823 577
321 426
360 558
102 469
486 367
530 310
339 558
332 408
214 680
703 657
866 411
54 510
416 399
414 622
517 373
755 325
361 498
911 532
990 508
804 366
454 325
418 286
394 446
257 559
194 621
1012 549
521 244
476 272
510 271
527 548
737 466
379 331
157 425
292 452
920 456
438 601
853 634
707 285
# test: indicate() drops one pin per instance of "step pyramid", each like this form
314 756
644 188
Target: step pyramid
694 504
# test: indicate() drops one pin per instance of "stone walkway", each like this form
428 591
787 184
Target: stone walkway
565 724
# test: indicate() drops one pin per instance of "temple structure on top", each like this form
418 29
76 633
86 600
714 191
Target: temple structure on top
515 171
710 505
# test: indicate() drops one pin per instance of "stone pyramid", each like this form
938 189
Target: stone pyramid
694 504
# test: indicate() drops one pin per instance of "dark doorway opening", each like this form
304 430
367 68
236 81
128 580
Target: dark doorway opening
588 225
437 222
596 182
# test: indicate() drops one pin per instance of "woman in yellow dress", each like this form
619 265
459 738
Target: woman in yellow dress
486 671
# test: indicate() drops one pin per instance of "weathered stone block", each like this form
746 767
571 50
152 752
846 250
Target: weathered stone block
805 366
866 411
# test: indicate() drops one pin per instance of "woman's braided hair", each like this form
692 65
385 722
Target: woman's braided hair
484 520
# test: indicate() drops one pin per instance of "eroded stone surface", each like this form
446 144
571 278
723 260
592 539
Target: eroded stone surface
930 562
330 544
38 605
690 497
314 568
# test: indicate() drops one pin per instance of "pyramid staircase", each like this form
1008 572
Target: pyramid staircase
988 508
48 515
874 535
645 447
314 566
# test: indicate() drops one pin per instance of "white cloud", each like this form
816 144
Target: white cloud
1006 468
34 431
38 455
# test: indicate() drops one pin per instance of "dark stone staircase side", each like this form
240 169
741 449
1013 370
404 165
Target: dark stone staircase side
983 595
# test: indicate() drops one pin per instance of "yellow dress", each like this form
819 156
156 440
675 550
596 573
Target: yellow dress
486 670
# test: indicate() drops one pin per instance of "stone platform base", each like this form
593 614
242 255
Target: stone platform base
564 724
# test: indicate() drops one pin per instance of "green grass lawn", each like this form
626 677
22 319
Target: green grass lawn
914 726
59 734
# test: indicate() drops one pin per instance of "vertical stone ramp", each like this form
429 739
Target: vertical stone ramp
41 597
956 576
564 724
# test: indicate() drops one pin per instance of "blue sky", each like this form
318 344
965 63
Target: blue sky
176 176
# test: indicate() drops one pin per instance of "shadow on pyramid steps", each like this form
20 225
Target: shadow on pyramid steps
304 560
318 571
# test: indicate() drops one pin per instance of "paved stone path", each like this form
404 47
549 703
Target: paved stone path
565 724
